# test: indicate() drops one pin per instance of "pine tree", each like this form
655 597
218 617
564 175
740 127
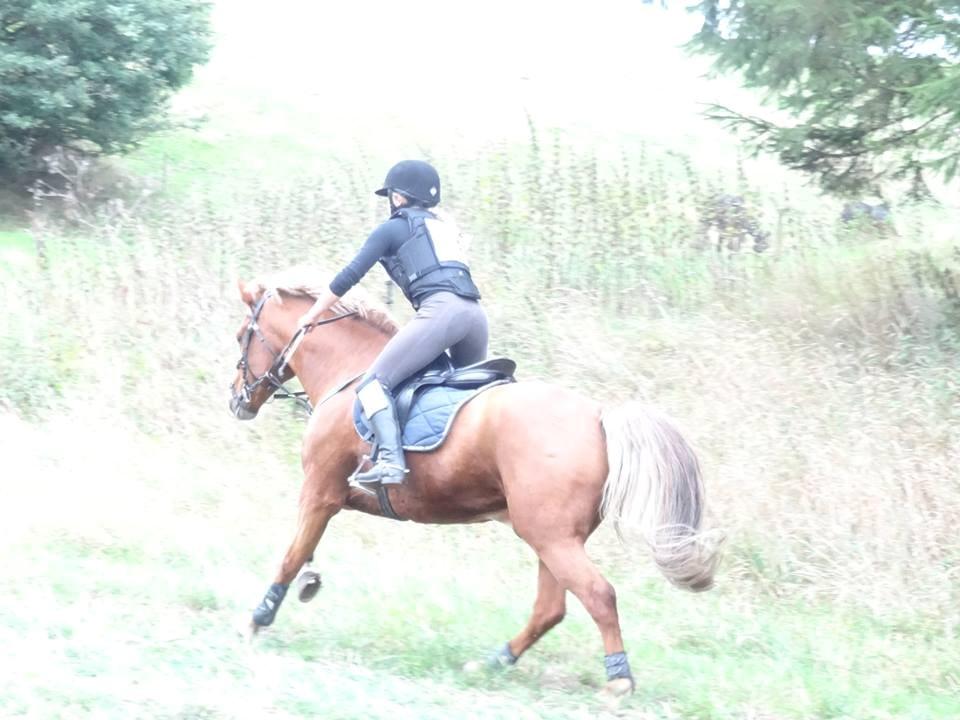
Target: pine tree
94 73
873 85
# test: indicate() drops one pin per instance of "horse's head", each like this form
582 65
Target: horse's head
262 369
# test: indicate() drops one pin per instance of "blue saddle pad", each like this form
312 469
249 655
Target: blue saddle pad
431 416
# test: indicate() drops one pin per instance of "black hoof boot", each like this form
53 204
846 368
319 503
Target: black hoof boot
266 611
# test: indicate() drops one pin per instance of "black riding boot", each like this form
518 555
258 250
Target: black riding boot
390 467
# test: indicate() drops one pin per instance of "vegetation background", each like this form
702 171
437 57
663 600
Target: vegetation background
614 234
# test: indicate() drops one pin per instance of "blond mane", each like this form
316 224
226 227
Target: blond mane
312 282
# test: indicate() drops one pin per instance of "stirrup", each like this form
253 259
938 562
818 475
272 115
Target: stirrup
354 483
369 485
378 474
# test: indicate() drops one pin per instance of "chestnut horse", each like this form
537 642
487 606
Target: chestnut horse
542 458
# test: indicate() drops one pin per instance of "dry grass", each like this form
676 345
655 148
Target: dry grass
818 382
818 392
818 385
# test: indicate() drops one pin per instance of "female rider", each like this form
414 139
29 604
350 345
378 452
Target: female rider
422 255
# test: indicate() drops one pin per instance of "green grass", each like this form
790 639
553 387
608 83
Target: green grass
134 606
16 248
170 525
15 240
818 382
179 161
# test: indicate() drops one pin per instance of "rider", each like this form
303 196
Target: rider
421 253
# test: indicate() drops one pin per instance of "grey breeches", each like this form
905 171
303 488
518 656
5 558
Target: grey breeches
444 322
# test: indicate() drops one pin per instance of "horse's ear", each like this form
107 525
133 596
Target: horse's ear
245 292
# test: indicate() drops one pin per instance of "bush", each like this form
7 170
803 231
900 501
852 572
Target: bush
93 74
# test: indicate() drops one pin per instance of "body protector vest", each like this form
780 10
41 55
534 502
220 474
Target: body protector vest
431 260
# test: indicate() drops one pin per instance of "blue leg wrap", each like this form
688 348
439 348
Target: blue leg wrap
267 609
617 666
502 657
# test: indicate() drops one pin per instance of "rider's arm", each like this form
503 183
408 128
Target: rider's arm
382 241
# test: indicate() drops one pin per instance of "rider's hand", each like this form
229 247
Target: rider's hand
308 318
323 304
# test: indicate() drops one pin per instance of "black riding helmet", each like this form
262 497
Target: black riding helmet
416 179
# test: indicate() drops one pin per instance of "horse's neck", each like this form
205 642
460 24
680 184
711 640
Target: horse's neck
334 353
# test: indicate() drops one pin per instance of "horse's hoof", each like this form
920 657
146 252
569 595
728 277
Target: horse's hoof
499 659
617 688
308 585
248 630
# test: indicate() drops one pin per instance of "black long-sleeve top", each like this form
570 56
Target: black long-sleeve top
385 240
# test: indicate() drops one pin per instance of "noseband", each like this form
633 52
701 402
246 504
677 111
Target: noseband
273 377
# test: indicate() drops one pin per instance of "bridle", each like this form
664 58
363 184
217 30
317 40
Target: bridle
273 377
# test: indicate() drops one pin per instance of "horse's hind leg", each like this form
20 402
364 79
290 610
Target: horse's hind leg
548 611
569 564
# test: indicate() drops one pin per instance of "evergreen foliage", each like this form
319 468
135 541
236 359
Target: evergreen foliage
873 86
91 73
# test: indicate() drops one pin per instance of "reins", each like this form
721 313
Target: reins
281 360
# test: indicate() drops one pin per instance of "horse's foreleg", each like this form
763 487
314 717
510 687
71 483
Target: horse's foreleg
318 503
548 611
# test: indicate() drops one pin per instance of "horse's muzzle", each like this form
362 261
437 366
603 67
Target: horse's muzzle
240 410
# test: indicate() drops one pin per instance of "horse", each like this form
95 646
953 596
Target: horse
544 459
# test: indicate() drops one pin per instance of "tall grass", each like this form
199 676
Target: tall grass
818 378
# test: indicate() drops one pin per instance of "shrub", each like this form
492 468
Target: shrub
92 74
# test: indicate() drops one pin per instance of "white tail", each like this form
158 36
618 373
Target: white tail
654 486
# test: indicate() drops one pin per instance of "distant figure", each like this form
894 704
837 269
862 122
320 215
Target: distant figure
854 210
868 220
727 224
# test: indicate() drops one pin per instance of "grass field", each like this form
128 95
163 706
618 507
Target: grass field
126 590
818 381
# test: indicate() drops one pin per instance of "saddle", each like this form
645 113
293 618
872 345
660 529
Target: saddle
428 402
442 372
